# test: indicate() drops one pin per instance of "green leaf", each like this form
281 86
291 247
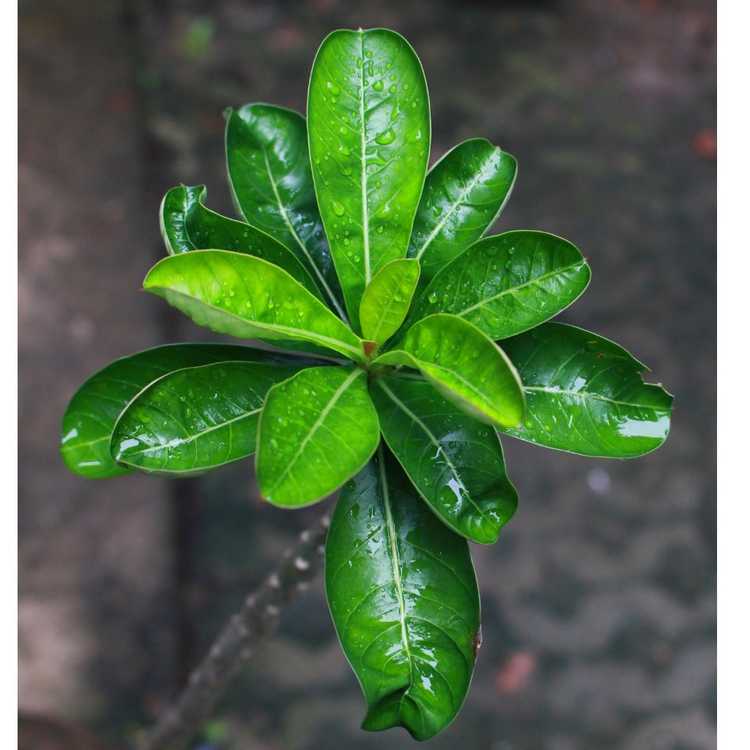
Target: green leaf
464 194
369 132
269 174
386 300
186 224
455 462
93 411
248 297
467 367
585 394
317 430
404 600
508 283
196 419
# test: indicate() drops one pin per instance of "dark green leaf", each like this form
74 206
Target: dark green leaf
386 300
186 224
248 297
369 131
404 600
467 367
91 415
585 394
316 430
464 194
454 461
508 283
196 419
269 173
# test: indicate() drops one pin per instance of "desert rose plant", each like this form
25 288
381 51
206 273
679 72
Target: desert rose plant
380 302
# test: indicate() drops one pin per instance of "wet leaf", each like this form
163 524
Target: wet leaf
196 419
455 462
269 173
369 131
248 297
404 600
467 367
585 394
464 194
91 415
508 283
386 300
316 430
186 224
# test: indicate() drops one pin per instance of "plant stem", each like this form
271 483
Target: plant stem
256 620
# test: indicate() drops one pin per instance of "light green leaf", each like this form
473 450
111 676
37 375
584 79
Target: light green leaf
467 367
196 419
464 194
317 430
386 300
508 283
404 600
455 462
269 173
369 132
186 225
93 411
248 297
585 394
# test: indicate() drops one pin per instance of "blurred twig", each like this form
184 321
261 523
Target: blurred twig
237 641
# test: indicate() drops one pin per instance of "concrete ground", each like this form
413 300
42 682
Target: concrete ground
599 602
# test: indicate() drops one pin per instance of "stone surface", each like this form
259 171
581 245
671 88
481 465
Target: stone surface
95 557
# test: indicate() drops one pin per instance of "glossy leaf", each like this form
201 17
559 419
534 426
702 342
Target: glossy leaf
269 173
386 300
91 415
248 297
404 600
455 462
467 367
369 131
585 394
186 224
196 419
317 430
509 283
464 193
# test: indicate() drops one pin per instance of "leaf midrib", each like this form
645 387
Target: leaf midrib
512 290
311 336
554 390
314 428
395 564
401 405
363 163
447 214
297 238
186 440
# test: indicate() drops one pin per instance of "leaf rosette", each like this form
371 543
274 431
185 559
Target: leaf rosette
389 344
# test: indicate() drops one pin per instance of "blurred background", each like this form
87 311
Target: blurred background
599 600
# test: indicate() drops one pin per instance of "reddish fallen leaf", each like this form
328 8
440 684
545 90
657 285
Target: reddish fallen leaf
120 102
704 143
515 674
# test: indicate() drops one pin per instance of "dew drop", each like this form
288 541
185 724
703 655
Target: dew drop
378 86
432 297
386 137
333 88
338 209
